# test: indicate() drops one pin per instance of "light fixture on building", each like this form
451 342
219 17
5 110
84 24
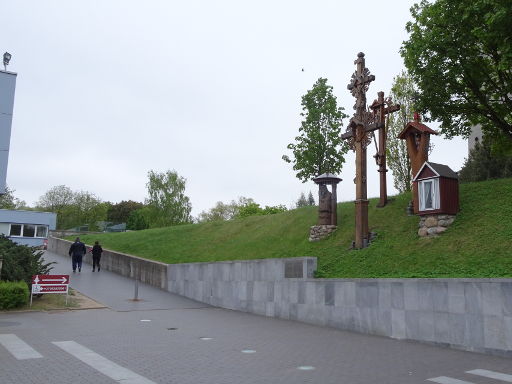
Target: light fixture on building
7 58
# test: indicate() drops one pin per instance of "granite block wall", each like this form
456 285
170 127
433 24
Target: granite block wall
469 314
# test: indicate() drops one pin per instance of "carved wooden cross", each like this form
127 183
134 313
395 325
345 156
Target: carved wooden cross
382 107
358 134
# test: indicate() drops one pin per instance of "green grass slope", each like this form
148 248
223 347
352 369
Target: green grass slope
477 244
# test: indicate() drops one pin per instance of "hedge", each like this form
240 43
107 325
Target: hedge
13 294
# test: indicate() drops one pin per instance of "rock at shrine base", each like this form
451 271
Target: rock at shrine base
319 232
433 225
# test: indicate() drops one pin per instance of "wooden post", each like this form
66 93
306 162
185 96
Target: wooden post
361 202
334 201
380 111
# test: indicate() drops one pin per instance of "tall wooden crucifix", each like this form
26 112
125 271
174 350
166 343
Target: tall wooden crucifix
381 107
358 133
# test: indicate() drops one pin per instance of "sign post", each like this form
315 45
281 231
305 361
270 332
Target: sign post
49 284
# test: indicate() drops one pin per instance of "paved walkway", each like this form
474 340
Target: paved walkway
116 291
168 339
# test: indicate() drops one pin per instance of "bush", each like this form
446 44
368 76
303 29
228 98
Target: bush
21 262
485 163
13 294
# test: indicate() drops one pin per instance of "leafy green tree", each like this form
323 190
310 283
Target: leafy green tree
273 209
402 92
120 212
318 148
85 206
9 201
73 209
484 164
57 199
253 209
220 212
167 200
138 219
459 53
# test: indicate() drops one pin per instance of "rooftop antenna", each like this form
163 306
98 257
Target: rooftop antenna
7 58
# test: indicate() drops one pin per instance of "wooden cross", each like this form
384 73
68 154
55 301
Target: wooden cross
358 133
382 107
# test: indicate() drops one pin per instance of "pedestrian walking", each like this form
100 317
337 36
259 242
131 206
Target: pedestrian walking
96 255
77 251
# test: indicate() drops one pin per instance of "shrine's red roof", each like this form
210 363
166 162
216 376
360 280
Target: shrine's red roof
416 125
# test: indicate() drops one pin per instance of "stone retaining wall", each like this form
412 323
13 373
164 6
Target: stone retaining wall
147 271
469 314
319 232
433 225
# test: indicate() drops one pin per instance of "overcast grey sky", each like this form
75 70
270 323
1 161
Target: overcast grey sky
108 90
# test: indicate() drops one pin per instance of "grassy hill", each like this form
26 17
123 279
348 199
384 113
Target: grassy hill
477 244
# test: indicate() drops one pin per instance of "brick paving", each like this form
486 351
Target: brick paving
161 354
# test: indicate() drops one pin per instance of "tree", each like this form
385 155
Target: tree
120 212
459 53
21 262
318 148
402 92
484 164
138 219
87 209
58 199
9 201
220 212
167 200
311 199
73 209
254 209
302 201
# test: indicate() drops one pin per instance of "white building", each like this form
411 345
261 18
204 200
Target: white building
7 88
27 227
476 136
23 227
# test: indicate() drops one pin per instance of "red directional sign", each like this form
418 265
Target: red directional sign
50 279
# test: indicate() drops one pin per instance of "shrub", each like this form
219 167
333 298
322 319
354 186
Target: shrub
21 262
13 294
485 163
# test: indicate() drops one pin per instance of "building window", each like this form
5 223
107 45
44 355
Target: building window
15 230
42 231
28 230
429 194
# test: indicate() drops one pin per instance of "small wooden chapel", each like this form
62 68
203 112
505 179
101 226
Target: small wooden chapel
437 189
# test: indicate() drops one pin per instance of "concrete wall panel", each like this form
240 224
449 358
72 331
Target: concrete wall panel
470 314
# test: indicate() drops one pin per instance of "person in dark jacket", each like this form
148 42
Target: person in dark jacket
96 255
77 251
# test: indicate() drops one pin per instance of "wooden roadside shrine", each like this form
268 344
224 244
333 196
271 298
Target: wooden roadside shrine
359 136
417 136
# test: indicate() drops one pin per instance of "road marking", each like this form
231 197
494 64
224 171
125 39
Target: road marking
18 348
491 375
306 368
448 380
102 364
